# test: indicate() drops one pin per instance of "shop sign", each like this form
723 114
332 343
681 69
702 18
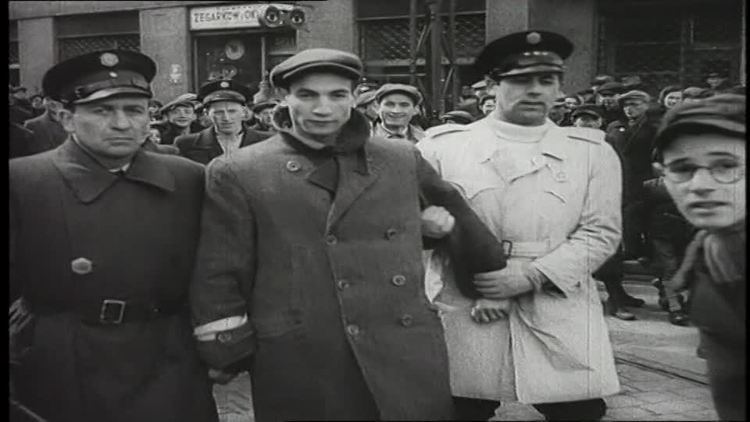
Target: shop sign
220 17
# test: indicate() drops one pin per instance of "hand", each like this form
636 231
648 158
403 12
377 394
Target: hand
485 311
501 284
436 222
220 377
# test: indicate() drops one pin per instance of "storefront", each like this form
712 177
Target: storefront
240 42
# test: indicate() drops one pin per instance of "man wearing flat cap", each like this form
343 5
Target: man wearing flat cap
225 103
263 112
700 151
367 105
587 115
553 195
103 237
309 273
606 97
179 115
633 140
397 106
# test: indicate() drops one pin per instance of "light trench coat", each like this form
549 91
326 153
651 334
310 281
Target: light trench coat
559 205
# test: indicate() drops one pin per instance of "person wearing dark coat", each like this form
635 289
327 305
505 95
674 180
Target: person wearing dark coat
21 142
309 272
103 236
606 97
225 103
47 129
668 234
701 153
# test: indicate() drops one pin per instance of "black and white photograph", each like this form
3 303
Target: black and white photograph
377 210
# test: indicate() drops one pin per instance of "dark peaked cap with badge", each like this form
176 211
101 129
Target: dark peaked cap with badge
523 53
224 90
316 59
99 75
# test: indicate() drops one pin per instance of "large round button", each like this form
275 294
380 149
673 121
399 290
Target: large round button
224 337
342 284
406 320
352 329
398 280
293 166
81 266
331 239
391 233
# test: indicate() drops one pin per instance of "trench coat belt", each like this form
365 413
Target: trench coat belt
110 311
528 249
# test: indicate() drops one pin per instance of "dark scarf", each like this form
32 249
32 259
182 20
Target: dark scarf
350 141
723 252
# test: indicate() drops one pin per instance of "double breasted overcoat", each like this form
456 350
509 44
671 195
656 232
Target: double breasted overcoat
202 147
331 280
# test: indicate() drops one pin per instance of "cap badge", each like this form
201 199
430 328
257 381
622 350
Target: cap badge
109 59
112 74
533 38
224 84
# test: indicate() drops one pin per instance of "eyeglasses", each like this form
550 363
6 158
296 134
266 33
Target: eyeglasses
722 172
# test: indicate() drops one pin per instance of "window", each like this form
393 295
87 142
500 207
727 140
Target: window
670 41
80 34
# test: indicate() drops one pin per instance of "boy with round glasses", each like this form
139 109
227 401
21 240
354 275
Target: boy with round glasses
700 151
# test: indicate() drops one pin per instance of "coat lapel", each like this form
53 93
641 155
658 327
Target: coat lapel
353 181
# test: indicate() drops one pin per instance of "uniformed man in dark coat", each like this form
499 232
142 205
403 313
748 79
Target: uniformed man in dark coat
225 102
309 272
103 237
48 132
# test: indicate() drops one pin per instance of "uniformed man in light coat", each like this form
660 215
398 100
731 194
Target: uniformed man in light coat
554 194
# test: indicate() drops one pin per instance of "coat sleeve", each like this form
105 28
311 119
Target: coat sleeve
471 245
225 269
599 229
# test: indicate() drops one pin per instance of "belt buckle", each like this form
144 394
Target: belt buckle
105 315
507 246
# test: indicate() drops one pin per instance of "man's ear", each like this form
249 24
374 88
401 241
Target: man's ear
66 119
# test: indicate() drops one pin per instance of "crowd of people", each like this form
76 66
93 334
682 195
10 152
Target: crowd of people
357 261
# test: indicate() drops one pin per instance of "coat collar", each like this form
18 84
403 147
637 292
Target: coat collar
552 143
88 179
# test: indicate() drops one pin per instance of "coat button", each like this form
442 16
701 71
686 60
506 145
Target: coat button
561 176
224 337
81 266
293 166
407 320
352 329
391 233
398 280
331 240
343 284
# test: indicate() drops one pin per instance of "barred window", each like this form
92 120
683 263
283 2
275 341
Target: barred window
80 34
671 41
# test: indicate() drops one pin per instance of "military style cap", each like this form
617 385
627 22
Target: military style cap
257 108
723 113
224 90
316 59
610 88
188 99
524 52
99 75
588 109
366 98
459 116
408 90
634 95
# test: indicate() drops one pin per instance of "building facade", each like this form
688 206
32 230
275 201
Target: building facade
663 41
